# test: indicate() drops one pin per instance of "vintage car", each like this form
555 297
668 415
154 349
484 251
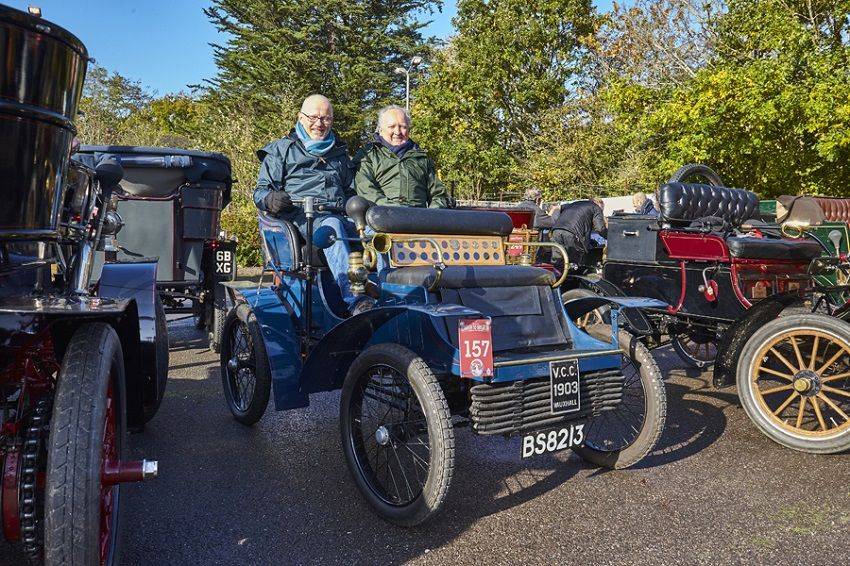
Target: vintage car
457 337
79 362
708 257
171 201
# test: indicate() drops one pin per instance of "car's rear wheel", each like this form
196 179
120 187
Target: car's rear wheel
696 350
245 372
397 434
623 436
794 382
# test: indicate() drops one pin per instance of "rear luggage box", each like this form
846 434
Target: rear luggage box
632 237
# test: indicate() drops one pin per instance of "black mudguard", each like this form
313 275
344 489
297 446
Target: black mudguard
136 281
631 319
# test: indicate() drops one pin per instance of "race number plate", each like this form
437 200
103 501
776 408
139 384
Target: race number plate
476 347
570 436
564 386
223 262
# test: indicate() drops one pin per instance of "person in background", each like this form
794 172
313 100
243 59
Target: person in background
532 200
643 205
573 228
311 161
393 170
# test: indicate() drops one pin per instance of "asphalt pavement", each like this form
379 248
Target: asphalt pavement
714 492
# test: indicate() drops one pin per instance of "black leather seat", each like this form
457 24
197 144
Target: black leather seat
682 203
406 220
298 247
478 276
764 248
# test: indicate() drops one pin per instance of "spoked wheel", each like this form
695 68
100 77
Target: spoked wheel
245 372
397 434
590 318
794 382
86 439
695 350
624 435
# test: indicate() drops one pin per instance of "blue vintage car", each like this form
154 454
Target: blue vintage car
457 338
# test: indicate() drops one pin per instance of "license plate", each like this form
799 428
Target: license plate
570 436
564 381
476 347
223 262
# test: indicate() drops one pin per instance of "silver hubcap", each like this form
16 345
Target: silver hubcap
233 364
382 435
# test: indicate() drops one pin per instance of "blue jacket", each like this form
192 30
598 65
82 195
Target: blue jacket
286 166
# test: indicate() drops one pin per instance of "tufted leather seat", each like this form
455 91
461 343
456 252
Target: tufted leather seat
682 203
835 209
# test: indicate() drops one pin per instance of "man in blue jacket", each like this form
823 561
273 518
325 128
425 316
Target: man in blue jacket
311 161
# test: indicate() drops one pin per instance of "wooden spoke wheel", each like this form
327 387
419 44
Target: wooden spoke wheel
794 382
697 351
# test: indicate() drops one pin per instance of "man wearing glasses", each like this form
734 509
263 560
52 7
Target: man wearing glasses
311 161
393 170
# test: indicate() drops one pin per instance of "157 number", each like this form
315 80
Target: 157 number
476 348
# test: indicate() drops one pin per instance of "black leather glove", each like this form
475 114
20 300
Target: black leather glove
277 202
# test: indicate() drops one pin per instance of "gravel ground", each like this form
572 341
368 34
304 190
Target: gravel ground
715 491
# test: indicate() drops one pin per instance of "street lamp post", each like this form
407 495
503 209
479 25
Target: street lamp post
406 72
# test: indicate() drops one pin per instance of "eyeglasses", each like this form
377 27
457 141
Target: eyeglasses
322 119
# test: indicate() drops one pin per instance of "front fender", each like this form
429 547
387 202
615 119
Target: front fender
417 327
633 319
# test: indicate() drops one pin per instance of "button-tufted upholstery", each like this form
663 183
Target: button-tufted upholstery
682 203
835 209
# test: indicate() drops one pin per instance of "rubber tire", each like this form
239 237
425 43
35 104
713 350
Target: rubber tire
262 386
440 433
686 357
840 443
581 293
685 171
656 410
201 314
74 453
162 354
216 328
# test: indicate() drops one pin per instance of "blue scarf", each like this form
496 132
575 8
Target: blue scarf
399 150
315 147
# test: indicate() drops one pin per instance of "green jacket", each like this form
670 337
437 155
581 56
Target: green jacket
385 179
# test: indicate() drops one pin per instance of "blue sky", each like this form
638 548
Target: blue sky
162 43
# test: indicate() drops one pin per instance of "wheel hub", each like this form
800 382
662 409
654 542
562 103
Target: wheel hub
233 364
806 383
382 435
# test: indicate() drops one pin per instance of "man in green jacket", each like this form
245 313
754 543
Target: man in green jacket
393 170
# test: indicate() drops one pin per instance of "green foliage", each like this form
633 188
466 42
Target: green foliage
490 91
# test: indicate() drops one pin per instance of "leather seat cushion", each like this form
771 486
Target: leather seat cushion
407 220
765 248
682 203
462 277
835 209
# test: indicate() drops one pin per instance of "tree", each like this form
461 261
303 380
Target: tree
107 103
489 91
280 51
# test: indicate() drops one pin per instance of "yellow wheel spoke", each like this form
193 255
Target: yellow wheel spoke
802 411
786 403
835 407
797 352
830 361
835 391
814 357
776 389
844 375
784 361
818 413
774 372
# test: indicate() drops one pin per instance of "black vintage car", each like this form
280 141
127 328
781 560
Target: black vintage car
80 360
170 201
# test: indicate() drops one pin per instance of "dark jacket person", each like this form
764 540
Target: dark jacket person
393 170
574 225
